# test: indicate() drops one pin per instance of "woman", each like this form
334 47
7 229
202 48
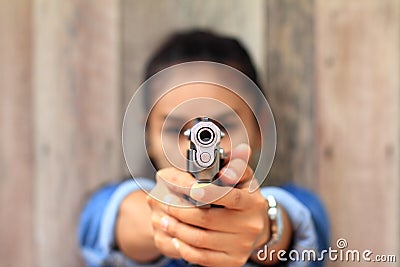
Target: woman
121 226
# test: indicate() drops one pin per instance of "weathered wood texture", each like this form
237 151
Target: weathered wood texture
244 20
16 139
68 69
77 117
290 89
358 119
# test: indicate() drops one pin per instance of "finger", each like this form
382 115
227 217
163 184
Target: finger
242 151
236 171
215 219
204 257
159 199
175 180
229 197
227 177
163 242
162 239
198 237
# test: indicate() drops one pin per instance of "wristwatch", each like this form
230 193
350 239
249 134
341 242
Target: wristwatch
275 219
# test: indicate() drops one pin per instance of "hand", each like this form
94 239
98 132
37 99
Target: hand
216 236
138 245
171 186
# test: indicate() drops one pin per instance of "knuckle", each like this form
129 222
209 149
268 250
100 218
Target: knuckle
249 171
173 183
199 238
244 247
150 203
260 203
175 212
237 197
258 226
167 174
158 240
239 165
205 217
255 226
188 255
173 229
247 245
153 218
242 168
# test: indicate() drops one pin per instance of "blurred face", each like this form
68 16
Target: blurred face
175 112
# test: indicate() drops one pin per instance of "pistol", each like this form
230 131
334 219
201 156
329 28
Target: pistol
205 156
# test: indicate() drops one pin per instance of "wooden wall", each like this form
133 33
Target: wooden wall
60 123
358 120
68 68
16 139
77 117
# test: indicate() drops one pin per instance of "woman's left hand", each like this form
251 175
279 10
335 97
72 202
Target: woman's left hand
217 236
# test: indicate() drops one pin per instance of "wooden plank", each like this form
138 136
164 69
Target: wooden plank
77 117
243 20
16 162
358 119
290 89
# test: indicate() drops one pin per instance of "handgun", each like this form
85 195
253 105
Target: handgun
205 156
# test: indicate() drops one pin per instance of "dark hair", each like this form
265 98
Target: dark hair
201 45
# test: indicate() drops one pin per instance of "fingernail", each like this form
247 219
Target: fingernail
197 191
164 223
230 174
243 147
175 242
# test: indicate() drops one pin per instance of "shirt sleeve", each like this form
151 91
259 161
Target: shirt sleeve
98 218
96 232
300 206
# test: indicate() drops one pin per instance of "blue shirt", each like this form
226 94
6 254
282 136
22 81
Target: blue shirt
97 224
